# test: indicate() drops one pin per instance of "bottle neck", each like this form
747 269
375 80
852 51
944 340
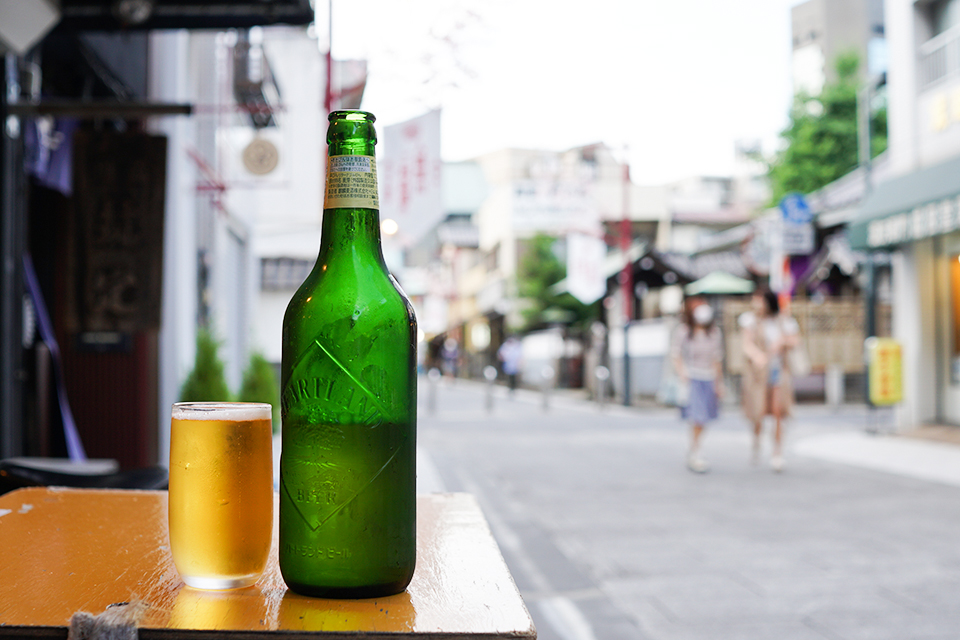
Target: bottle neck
350 234
351 133
351 219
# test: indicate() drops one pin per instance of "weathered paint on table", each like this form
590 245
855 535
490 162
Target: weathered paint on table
69 550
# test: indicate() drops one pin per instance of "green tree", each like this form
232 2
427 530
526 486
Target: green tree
260 385
878 129
206 383
821 140
538 270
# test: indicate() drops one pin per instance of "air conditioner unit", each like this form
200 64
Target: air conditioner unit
24 22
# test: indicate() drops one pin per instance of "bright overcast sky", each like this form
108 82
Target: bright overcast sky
677 83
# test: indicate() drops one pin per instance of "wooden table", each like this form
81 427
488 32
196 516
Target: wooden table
69 550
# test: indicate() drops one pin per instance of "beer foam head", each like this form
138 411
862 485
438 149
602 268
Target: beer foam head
239 411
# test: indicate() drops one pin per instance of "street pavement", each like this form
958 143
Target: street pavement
610 537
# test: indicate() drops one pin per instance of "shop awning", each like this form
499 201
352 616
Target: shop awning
919 205
109 15
719 283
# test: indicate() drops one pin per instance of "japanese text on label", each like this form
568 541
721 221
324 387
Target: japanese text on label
352 182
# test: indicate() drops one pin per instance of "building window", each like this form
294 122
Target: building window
945 14
283 274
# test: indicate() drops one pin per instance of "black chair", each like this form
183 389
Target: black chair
15 475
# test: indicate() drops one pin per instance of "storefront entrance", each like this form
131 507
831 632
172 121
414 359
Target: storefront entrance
948 312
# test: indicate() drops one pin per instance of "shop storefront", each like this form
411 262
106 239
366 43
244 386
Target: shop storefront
916 218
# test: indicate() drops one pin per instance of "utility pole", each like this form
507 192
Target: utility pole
626 279
865 156
865 152
328 94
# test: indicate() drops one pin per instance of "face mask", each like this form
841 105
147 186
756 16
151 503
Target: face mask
703 315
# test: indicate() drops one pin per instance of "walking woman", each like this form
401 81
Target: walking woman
697 353
767 336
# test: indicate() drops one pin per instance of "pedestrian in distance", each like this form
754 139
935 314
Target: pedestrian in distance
767 336
697 353
510 354
450 353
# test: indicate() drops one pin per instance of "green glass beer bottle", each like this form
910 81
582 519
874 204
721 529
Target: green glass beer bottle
349 398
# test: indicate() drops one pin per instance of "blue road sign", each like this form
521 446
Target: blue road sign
795 209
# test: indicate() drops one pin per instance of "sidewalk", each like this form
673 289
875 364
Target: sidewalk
915 455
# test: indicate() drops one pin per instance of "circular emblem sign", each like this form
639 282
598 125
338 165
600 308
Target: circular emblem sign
260 157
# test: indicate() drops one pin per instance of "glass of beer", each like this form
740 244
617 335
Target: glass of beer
221 492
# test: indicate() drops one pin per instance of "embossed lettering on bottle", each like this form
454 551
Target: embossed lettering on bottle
331 415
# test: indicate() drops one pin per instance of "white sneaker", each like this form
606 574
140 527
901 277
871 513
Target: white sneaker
777 463
697 464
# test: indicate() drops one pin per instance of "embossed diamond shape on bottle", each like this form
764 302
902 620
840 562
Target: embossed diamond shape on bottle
334 416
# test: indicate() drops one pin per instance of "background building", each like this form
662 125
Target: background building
824 29
115 181
915 213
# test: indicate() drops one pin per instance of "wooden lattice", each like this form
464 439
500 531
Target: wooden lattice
832 331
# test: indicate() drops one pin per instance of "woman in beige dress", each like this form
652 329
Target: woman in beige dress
767 336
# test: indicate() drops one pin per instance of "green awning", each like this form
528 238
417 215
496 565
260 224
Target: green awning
718 283
919 205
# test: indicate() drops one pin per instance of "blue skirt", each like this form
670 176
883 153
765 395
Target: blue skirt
702 407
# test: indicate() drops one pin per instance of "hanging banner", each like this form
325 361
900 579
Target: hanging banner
410 176
555 194
116 266
585 258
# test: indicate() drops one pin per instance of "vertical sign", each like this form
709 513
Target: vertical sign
585 258
797 225
794 236
410 176
117 265
884 370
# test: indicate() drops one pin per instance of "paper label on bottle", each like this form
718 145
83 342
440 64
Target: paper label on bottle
351 182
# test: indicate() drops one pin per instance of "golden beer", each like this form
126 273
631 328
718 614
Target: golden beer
221 492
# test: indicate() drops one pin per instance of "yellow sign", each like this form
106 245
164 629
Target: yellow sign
884 370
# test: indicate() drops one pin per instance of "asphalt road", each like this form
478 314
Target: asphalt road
610 537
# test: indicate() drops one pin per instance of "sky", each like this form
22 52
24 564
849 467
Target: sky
672 86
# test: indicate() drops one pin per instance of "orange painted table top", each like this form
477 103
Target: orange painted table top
69 550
